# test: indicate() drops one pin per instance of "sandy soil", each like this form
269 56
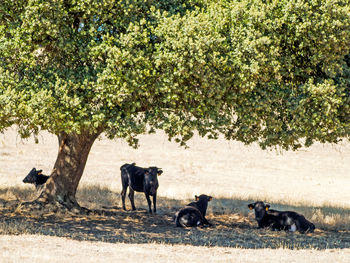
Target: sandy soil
65 250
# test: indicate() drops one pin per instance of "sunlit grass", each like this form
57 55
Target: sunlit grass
326 217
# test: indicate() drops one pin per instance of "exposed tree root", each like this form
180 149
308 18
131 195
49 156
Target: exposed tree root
38 207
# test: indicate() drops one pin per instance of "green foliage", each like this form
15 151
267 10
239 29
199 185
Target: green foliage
258 70
282 52
268 71
74 65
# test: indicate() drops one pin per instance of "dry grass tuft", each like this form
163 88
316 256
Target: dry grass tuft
17 193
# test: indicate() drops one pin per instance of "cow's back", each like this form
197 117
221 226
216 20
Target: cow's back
272 219
136 177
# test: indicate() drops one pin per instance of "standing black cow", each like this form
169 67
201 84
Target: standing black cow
140 180
36 177
194 213
280 220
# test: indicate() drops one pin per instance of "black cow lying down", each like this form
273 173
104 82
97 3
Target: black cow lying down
140 180
280 220
36 177
194 213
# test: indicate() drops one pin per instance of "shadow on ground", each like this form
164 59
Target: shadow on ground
232 227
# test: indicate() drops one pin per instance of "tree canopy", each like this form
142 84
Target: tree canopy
272 71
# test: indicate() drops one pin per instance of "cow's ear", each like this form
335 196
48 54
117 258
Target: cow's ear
267 207
159 172
210 198
40 172
251 206
196 197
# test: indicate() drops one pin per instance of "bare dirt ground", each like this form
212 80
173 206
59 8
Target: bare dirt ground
83 251
314 182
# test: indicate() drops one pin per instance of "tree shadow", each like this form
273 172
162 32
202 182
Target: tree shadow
233 224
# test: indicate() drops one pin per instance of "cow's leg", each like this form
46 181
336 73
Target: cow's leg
206 222
155 203
123 194
131 197
149 203
277 227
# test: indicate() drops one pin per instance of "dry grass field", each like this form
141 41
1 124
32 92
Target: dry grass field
313 181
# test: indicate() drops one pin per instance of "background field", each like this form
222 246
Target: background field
313 181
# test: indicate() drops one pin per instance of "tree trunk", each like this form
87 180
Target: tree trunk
69 167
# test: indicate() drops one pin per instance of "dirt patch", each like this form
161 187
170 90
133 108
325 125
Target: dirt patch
137 227
29 248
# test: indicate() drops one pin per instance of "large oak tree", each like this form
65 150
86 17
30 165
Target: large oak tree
273 72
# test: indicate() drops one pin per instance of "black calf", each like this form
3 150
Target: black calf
36 177
140 180
280 220
194 213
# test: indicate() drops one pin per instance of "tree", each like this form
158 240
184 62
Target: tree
266 71
276 69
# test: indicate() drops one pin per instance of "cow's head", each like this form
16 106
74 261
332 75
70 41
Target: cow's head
153 171
151 178
32 176
206 198
260 209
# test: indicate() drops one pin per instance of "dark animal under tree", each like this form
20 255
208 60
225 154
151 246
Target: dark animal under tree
193 214
36 177
280 220
140 180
